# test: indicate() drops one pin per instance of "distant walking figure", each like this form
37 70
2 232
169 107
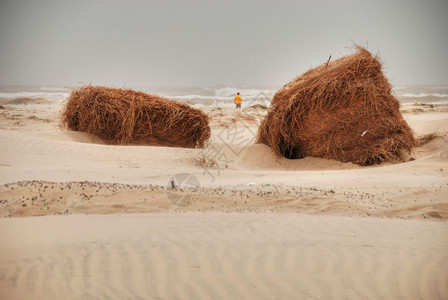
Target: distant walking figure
238 100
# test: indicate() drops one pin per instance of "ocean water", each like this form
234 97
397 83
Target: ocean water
31 95
223 96
421 94
215 96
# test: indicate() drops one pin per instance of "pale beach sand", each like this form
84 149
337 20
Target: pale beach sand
222 256
262 227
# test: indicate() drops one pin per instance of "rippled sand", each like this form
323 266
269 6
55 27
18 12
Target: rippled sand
222 256
262 227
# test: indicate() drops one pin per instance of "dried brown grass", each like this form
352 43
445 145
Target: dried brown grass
341 110
123 116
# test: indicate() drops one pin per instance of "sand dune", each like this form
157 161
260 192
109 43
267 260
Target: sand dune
222 256
426 123
134 178
263 227
260 156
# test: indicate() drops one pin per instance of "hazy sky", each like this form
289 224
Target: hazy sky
202 43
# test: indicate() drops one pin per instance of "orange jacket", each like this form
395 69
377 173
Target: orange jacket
238 99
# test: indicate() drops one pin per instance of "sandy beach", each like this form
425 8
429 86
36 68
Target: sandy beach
81 219
222 256
223 150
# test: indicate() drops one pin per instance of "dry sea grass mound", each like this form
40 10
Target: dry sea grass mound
123 116
341 110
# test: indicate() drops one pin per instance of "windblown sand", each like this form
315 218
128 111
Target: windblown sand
222 256
262 227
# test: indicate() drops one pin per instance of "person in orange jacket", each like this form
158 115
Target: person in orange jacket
238 100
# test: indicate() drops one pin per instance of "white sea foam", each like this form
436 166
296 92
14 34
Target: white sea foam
425 95
34 95
442 102
52 97
223 96
227 94
398 88
230 104
230 92
54 89
198 97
